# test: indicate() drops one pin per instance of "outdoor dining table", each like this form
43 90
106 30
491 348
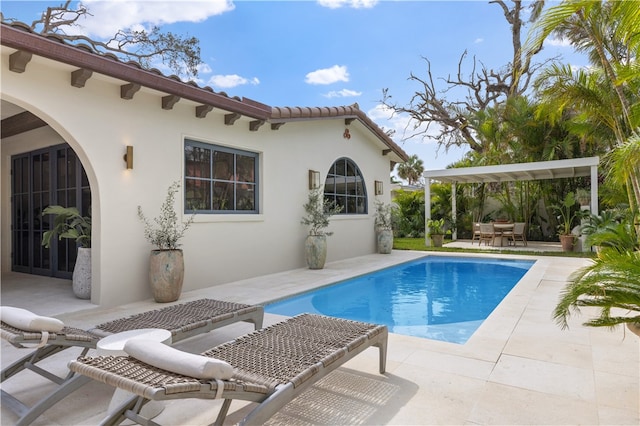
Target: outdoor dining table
502 227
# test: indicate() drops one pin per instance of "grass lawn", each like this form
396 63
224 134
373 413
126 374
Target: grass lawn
418 244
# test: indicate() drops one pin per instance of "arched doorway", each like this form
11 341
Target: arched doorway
44 170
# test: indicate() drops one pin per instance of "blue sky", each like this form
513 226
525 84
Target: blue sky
321 53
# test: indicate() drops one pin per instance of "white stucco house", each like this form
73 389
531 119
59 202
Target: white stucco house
68 116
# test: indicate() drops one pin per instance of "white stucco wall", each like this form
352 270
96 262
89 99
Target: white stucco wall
98 124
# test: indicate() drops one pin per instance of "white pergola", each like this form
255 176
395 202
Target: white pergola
557 169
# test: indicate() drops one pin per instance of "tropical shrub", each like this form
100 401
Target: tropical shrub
409 217
611 284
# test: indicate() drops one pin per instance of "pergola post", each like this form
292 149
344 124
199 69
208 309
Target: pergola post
454 212
594 190
427 211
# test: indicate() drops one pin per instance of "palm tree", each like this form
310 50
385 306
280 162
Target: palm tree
411 171
584 100
611 284
625 169
612 281
606 31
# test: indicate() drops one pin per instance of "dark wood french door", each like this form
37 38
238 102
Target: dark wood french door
52 175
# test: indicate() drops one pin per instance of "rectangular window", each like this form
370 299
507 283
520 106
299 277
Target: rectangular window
220 179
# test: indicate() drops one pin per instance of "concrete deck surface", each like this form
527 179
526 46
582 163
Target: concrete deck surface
518 368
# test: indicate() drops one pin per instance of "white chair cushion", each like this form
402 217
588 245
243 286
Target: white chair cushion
27 320
162 356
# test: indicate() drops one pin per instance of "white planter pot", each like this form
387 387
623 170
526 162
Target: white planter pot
385 241
81 280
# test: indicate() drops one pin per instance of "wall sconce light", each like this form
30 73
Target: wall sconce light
314 179
378 186
128 157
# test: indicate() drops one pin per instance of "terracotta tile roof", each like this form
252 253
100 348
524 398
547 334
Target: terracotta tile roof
287 114
20 37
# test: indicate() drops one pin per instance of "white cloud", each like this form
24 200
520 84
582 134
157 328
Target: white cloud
231 80
478 40
560 42
344 93
204 69
328 75
356 4
110 16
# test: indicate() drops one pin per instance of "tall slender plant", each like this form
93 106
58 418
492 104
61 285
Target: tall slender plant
318 211
165 231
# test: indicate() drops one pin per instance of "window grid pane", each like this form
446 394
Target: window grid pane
345 186
229 184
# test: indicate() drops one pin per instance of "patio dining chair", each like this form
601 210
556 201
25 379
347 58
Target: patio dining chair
488 234
182 320
517 234
476 233
271 366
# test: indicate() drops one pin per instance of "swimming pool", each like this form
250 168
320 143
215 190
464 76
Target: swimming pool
436 297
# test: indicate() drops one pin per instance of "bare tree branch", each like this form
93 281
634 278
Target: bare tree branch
180 54
485 88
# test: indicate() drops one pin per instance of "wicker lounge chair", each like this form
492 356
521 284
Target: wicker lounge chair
183 320
270 366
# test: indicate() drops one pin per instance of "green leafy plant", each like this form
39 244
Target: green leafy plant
383 216
68 223
567 214
437 227
583 196
165 231
318 212
597 223
409 215
612 228
611 284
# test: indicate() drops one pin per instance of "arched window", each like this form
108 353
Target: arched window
346 187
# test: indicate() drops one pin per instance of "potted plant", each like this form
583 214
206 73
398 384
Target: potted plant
437 231
566 216
384 230
166 262
318 212
583 197
69 223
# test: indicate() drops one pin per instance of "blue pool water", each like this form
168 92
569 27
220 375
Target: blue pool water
435 297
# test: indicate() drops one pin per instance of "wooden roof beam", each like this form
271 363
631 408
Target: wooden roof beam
169 101
255 125
128 90
229 119
80 76
18 61
20 123
203 110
